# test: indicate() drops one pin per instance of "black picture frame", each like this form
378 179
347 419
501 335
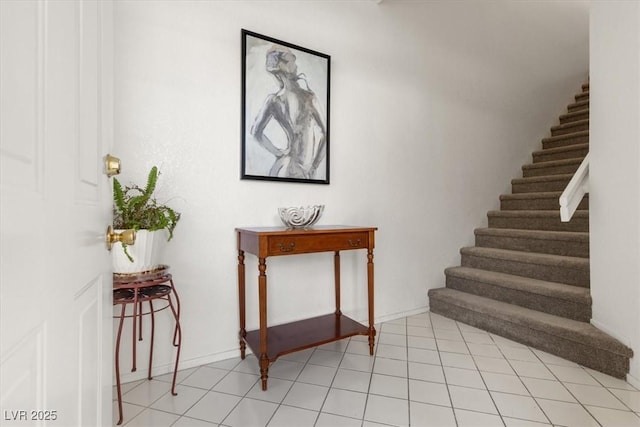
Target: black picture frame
285 111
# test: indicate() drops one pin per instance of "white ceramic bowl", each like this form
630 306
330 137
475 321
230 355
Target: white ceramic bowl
300 217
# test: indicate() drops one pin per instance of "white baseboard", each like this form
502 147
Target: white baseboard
633 381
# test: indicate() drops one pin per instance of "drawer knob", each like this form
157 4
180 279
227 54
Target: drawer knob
354 244
289 248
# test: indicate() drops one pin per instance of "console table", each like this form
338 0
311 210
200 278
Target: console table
268 343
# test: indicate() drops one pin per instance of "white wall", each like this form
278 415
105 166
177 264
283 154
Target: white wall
434 108
614 199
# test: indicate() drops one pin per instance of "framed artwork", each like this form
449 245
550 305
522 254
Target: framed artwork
285 111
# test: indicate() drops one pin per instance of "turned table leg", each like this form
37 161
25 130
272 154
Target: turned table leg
241 297
262 297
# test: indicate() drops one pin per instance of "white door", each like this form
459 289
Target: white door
55 284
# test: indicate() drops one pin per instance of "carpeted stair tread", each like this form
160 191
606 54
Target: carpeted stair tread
568 301
574 116
578 341
579 137
538 220
535 286
570 127
565 243
537 184
577 106
552 167
552 268
546 200
584 95
561 153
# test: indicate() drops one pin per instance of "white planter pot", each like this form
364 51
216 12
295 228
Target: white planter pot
147 252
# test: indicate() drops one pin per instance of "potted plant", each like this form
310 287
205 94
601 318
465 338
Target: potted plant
135 208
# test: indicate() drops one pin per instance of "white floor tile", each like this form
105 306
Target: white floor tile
448 334
629 398
151 417
250 412
213 407
348 379
397 368
229 364
423 356
146 393
339 346
357 362
428 392
358 347
426 372
504 383
515 422
392 339
566 414
418 331
318 375
463 377
192 422
287 416
572 375
186 398
476 337
285 369
548 389
276 390
472 399
205 377
531 369
168 378
129 411
298 356
452 346
611 417
492 364
391 352
596 396
487 350
519 353
236 383
345 403
422 319
331 420
422 342
387 410
515 406
306 396
609 381
325 358
393 328
476 419
425 415
385 385
456 360
550 359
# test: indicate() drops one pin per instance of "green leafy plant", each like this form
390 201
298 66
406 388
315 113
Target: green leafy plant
135 208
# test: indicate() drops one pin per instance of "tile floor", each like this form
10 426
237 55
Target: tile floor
427 371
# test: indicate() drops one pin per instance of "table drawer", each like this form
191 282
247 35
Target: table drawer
287 245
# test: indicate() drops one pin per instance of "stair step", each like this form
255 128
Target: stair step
536 201
563 129
575 116
538 184
564 243
583 96
552 268
577 106
548 220
585 86
572 302
560 153
580 137
552 167
577 341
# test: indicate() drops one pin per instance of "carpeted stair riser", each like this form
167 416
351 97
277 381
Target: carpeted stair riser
563 129
553 167
536 201
571 302
561 153
540 184
578 347
538 220
584 96
552 268
573 244
581 137
574 117
578 106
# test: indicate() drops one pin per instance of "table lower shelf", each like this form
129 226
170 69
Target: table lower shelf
303 334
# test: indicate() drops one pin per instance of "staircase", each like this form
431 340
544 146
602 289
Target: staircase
527 278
